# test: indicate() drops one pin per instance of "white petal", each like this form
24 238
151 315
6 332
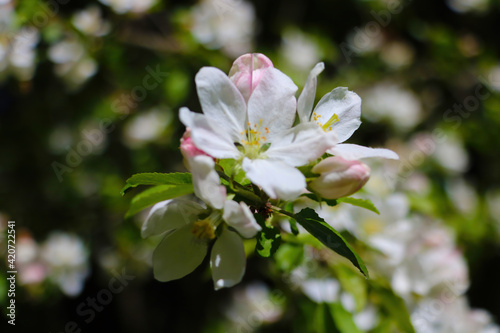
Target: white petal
240 217
301 144
276 178
170 214
178 254
216 143
272 104
306 99
227 260
221 101
350 151
206 181
346 105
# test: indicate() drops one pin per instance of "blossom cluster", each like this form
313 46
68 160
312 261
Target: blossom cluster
255 148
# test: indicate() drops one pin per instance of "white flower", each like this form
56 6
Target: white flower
255 130
338 111
187 238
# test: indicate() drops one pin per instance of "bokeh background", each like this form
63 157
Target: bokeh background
89 95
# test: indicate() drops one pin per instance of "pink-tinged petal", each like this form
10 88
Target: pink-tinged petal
277 179
272 106
346 105
216 143
178 254
301 144
305 102
247 71
227 260
240 218
188 148
350 151
221 102
339 177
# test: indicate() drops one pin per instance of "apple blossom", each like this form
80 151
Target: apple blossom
338 111
189 227
248 117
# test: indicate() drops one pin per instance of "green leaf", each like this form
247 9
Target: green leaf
364 203
323 321
289 256
394 306
354 284
268 239
330 237
156 178
343 319
156 194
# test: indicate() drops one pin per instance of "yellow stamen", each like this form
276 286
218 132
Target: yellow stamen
333 119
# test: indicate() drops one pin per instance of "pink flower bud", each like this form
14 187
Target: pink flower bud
247 71
339 177
188 149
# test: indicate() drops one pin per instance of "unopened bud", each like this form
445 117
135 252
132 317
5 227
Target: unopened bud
339 177
247 71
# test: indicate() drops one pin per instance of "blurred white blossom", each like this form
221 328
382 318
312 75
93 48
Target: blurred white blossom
146 127
462 195
397 54
451 315
463 6
226 24
90 22
251 306
300 50
389 101
451 154
66 258
71 62
18 54
125 6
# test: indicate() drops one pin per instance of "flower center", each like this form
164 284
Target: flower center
253 138
327 127
203 229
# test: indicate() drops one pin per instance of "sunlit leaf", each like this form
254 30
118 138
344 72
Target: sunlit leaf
156 178
156 194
